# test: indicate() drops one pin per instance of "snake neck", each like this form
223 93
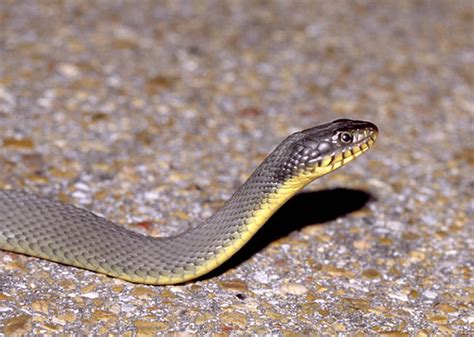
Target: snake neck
253 203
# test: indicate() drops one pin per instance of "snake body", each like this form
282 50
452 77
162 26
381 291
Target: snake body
49 229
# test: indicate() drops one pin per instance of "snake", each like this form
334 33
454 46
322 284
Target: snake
45 228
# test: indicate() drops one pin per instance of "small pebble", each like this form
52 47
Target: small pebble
293 289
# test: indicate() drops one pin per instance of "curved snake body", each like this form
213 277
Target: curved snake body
59 232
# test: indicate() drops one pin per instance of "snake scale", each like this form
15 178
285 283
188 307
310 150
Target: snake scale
49 229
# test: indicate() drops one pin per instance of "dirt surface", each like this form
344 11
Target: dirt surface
152 113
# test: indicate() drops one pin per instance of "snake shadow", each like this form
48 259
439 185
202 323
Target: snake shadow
307 208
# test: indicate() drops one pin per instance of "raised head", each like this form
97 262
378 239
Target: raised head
322 149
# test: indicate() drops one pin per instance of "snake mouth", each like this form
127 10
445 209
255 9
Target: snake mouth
357 149
352 151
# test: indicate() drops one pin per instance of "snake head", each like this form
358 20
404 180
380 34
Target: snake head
322 149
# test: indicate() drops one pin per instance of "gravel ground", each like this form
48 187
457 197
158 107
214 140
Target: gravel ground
152 113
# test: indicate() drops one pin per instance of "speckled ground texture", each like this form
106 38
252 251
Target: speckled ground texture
151 114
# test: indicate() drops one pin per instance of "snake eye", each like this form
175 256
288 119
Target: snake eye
345 137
